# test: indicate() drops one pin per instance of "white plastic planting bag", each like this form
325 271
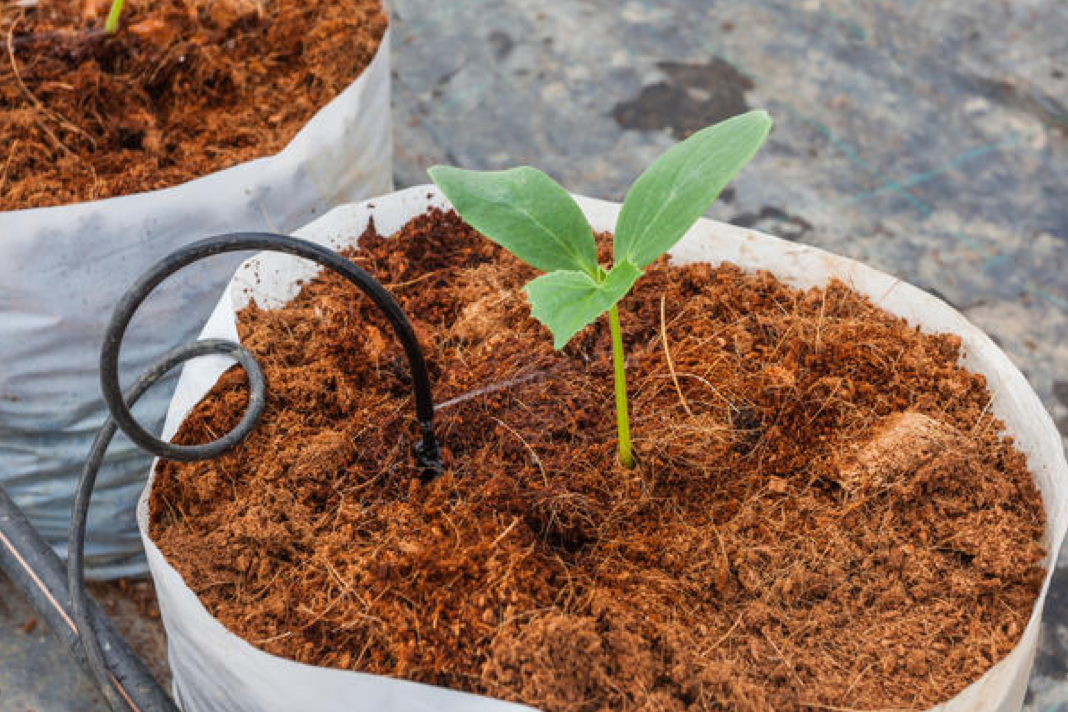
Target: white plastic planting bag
215 671
62 269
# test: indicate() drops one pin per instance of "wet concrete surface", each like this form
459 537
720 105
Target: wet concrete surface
928 138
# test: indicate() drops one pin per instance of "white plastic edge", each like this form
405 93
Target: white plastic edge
219 672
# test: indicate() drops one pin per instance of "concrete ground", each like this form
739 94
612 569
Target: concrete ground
928 138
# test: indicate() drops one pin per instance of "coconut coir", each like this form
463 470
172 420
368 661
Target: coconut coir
186 87
824 514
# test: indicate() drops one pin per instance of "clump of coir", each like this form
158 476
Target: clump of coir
824 514
185 88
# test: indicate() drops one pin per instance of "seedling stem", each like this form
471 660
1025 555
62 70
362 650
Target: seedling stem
112 24
622 419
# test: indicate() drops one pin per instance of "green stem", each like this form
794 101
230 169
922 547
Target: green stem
112 24
622 420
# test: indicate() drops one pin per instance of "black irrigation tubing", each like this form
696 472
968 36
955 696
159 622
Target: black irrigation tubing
79 598
38 573
427 454
239 242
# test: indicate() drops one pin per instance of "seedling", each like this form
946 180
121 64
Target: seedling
530 215
111 26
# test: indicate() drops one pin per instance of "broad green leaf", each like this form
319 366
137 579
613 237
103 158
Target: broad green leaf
681 185
524 211
565 301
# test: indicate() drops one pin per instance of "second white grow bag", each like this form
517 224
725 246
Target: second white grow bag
63 268
216 671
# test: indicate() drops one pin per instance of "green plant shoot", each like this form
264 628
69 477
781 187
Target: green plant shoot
530 215
111 25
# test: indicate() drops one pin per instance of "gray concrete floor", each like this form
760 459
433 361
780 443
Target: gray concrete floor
929 138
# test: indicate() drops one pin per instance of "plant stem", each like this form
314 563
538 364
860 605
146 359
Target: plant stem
622 421
112 24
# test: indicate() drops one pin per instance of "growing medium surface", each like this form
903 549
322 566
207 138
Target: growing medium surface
823 514
185 88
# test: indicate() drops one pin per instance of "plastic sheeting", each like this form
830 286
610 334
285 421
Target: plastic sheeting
62 269
216 671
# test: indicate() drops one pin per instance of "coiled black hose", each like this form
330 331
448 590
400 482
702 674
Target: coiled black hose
427 454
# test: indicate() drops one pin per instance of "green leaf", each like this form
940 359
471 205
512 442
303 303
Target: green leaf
524 211
566 301
682 184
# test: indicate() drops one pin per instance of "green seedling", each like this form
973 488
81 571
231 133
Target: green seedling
111 25
530 215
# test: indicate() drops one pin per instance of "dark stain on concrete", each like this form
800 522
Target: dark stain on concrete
501 43
776 221
443 81
1021 97
694 96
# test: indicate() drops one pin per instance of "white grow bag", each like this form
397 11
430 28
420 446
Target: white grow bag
62 269
216 671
